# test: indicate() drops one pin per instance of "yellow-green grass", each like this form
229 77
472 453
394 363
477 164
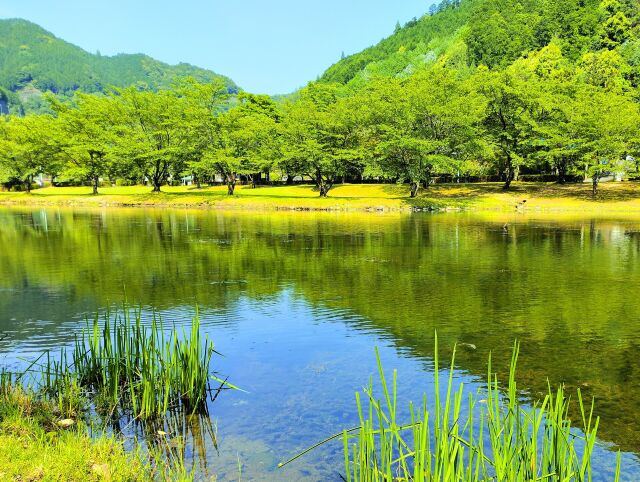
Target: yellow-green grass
33 446
528 197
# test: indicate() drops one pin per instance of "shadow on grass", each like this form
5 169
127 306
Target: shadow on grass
463 196
607 192
440 196
251 192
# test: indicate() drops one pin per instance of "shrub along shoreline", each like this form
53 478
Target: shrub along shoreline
522 197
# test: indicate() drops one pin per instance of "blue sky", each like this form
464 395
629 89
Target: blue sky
265 46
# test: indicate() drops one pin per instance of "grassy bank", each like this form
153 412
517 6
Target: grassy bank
36 444
528 197
144 382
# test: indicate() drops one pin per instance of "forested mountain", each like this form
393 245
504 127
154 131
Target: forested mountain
467 33
33 60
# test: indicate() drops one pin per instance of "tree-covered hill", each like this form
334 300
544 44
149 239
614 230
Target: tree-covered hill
33 60
468 33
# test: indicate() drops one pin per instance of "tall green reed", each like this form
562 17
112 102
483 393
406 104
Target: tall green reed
497 438
130 369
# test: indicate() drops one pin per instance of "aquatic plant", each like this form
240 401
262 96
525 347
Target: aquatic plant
129 369
499 438
123 369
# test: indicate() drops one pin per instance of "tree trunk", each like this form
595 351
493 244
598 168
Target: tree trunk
427 180
323 186
289 179
156 186
27 185
508 173
231 184
562 172
507 183
96 180
415 185
594 185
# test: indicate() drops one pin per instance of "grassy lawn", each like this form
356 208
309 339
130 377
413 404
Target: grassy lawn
532 197
34 446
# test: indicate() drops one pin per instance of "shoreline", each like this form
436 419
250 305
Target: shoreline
621 197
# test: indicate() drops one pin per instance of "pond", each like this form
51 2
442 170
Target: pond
297 302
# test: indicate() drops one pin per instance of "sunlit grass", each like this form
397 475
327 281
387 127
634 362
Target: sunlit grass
523 197
34 446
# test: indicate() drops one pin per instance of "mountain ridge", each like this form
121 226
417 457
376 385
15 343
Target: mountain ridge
34 60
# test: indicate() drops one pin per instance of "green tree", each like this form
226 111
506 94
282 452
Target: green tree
321 139
607 125
509 118
616 27
423 125
445 112
27 148
153 128
257 134
87 137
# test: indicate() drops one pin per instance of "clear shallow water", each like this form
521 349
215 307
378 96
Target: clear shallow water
297 302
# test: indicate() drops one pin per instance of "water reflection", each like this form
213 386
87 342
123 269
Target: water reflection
297 302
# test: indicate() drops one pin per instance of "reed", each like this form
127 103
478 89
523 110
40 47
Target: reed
6 381
129 369
497 438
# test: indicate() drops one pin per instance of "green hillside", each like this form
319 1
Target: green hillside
33 60
467 33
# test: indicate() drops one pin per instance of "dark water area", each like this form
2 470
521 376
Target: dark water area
296 303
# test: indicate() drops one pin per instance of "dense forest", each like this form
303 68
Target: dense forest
33 61
493 89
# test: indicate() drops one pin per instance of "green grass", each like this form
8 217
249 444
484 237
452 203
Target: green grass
33 446
539 197
496 439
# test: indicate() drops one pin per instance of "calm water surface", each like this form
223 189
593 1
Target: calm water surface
297 303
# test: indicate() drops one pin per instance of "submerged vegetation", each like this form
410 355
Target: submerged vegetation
497 438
